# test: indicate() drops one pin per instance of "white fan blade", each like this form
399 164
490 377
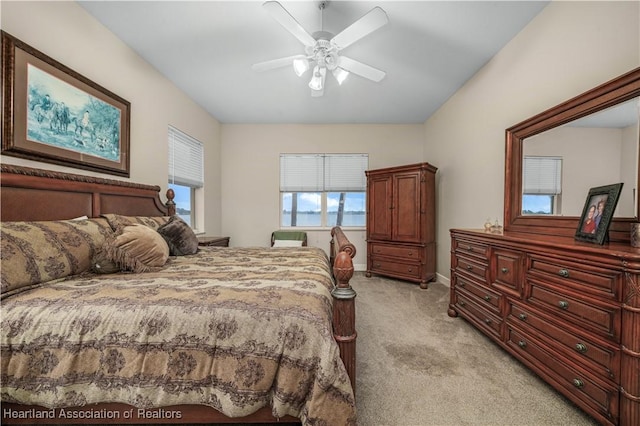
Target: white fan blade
285 19
275 63
363 70
370 22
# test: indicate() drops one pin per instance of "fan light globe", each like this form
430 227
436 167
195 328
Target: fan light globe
316 80
300 66
340 75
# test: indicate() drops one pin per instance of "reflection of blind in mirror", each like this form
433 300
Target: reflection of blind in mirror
542 175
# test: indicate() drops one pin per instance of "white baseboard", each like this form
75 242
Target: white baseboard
442 279
360 267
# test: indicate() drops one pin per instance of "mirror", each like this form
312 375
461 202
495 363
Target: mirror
588 141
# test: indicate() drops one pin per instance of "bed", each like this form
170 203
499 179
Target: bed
225 335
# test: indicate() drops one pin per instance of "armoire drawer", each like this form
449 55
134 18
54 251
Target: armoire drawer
482 316
600 395
594 279
598 357
403 252
393 266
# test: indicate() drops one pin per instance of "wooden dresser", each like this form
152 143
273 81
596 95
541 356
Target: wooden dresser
569 311
401 222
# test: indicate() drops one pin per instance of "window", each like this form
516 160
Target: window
185 172
542 185
323 190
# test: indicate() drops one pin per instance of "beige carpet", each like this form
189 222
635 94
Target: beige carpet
418 366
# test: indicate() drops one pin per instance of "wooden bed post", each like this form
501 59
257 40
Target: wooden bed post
344 308
171 205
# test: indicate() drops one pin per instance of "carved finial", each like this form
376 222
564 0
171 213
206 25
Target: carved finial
171 205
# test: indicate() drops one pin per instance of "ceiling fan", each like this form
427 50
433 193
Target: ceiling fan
322 48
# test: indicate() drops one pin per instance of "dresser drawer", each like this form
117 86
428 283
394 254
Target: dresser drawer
582 311
598 394
593 279
507 273
384 265
602 359
480 316
473 268
471 248
483 295
403 252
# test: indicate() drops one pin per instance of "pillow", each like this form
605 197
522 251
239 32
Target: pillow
37 252
287 243
179 237
138 249
118 221
103 264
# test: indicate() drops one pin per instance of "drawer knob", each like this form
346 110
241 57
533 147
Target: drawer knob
469 248
522 344
523 317
563 304
563 273
487 321
581 347
410 269
461 284
462 303
377 265
578 383
469 267
487 297
504 270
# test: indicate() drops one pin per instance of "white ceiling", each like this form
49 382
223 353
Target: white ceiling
429 49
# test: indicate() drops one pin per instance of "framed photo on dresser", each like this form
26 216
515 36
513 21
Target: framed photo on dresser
597 213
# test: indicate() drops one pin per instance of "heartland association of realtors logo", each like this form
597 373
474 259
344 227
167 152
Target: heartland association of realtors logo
90 413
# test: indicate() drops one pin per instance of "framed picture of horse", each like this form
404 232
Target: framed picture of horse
51 113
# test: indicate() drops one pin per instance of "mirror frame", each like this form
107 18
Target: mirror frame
618 90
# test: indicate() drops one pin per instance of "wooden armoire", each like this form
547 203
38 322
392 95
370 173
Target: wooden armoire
401 222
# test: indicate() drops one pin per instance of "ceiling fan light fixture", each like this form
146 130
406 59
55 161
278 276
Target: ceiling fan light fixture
317 81
340 75
300 66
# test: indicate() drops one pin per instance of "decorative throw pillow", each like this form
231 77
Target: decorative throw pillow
138 249
103 264
118 221
37 252
287 243
179 237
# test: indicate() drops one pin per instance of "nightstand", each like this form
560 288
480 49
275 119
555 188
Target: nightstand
214 241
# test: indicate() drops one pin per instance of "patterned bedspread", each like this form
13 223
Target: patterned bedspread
234 329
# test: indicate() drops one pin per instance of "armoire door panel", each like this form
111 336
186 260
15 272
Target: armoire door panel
406 208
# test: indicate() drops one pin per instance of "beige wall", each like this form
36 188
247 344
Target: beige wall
250 171
567 49
68 34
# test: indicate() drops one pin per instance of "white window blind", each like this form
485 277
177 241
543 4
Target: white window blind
186 156
323 172
345 172
542 175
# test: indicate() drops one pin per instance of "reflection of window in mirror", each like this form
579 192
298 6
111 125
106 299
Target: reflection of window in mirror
599 149
542 185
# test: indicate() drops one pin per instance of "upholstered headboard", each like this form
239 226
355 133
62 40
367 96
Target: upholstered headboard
34 194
